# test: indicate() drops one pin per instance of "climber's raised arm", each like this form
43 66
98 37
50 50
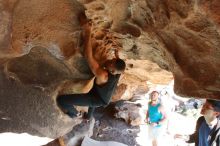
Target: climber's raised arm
100 74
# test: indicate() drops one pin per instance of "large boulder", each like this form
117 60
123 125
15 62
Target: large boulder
28 95
39 59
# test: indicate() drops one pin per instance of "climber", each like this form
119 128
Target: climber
106 79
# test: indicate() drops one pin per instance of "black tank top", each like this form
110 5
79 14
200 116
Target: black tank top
106 90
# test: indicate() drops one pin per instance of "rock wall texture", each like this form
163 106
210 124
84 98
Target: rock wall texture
41 53
180 36
35 65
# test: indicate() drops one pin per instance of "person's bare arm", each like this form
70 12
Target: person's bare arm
101 74
116 53
147 116
163 112
147 120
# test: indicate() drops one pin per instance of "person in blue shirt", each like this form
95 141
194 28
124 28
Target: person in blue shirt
156 117
207 131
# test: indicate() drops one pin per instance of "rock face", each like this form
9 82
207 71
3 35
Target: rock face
180 36
130 112
35 65
41 53
29 106
75 137
108 128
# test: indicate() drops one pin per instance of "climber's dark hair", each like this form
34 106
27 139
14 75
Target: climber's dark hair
120 64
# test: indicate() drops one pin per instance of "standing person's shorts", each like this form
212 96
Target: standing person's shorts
156 132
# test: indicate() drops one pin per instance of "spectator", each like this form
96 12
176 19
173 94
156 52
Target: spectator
156 117
207 131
